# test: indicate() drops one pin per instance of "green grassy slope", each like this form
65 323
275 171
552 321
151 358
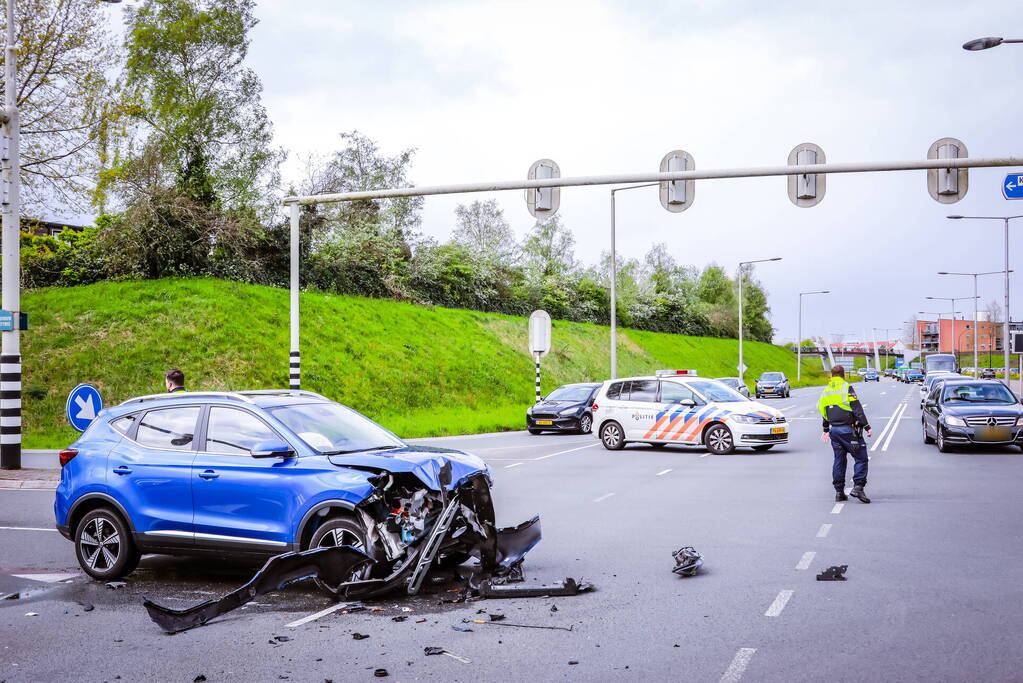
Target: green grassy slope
420 371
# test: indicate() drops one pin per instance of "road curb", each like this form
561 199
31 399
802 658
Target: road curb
35 484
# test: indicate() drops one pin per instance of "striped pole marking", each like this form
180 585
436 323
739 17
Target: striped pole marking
537 363
295 376
10 411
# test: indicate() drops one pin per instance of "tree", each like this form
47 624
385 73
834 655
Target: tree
548 250
481 227
65 99
200 105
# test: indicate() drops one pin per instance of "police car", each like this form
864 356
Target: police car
679 407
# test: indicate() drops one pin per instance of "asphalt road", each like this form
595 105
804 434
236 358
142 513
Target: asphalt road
933 590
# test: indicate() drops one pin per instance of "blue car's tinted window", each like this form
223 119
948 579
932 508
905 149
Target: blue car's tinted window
331 428
171 428
235 431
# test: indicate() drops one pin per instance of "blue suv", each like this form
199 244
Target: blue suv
259 473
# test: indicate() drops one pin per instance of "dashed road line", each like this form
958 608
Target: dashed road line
838 508
705 455
663 472
570 450
603 497
805 560
779 603
823 531
515 464
738 666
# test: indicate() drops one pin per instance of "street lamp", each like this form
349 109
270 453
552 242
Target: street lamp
976 322
1005 219
954 314
799 341
614 280
987 43
742 266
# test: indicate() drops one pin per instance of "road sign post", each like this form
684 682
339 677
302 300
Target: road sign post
83 403
539 341
1012 186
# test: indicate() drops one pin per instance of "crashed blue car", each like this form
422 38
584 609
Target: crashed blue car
276 474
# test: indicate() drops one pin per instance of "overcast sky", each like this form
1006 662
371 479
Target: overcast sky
482 89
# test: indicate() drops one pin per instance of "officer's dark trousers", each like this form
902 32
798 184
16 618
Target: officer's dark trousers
845 441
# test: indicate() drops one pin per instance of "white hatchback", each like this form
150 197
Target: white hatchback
691 411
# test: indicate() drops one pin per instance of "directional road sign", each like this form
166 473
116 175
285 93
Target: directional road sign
1012 186
83 403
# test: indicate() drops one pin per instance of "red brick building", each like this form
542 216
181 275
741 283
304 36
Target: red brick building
930 332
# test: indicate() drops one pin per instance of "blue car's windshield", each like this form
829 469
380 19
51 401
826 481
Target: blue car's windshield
577 393
330 428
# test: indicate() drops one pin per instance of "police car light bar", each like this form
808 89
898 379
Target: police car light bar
675 373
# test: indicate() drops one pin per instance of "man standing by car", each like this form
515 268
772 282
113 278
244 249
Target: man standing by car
175 380
844 423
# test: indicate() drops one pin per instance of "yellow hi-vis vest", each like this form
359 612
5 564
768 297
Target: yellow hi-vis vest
836 393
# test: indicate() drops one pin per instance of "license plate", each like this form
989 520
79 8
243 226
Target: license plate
768 391
993 433
545 422
777 430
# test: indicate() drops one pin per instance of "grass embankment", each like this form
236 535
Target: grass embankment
418 370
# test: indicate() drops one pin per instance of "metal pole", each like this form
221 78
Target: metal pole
537 356
1005 326
10 354
295 374
742 366
614 298
976 323
799 342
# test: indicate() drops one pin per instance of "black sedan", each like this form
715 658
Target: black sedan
567 408
971 412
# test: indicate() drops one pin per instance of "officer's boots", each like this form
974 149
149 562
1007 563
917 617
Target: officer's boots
840 496
857 492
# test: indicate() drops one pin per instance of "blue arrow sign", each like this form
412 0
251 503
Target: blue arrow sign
83 403
1012 186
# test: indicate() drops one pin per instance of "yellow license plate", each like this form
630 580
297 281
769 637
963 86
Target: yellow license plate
545 422
777 430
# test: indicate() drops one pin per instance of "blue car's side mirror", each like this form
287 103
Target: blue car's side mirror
272 449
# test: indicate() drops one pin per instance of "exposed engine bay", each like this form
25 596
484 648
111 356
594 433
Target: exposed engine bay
409 528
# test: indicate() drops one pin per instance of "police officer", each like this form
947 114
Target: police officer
174 380
844 423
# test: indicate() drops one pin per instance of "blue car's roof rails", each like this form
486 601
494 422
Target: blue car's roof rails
190 394
284 392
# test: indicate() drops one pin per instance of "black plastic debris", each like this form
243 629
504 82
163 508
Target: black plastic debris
114 585
573 661
687 561
400 617
381 673
834 573
554 608
570 586
496 617
433 650
199 679
282 639
360 636
86 606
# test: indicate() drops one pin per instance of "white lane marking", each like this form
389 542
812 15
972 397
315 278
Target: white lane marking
47 578
805 560
603 497
570 450
519 447
779 603
883 393
838 508
738 666
705 455
887 426
24 528
663 472
321 613
823 531
891 432
508 467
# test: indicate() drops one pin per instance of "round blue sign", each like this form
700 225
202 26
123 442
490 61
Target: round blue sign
83 404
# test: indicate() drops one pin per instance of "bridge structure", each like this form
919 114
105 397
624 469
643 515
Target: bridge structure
843 355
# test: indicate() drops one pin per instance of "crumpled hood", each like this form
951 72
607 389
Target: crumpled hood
425 462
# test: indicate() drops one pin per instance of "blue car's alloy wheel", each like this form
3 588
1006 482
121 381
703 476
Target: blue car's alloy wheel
104 546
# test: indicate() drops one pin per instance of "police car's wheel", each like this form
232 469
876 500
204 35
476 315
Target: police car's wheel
612 436
585 424
718 440
104 545
927 439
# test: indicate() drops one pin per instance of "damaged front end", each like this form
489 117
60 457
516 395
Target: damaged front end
409 527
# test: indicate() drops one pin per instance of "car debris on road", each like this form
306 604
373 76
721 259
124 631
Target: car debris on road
687 561
834 573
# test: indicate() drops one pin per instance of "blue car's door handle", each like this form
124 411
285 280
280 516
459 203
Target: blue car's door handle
208 474
123 469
